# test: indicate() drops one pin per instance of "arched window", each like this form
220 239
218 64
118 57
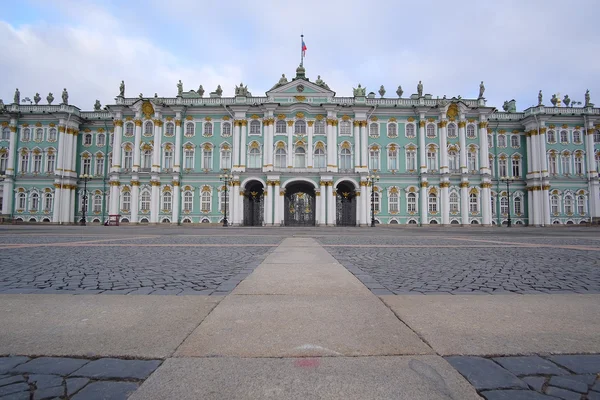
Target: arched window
472 161
147 159
452 130
167 201
453 161
411 160
86 164
554 204
97 205
280 126
514 140
168 154
504 205
225 158
430 130
127 158
52 135
25 134
392 130
99 164
280 158
87 139
24 165
345 159
37 162
453 202
319 159
254 158
205 199
566 163
34 202
39 135
319 127
392 158
490 139
581 204
376 201
374 130
433 205
188 201
552 164
502 166
129 129
5 133
410 130
189 129
300 127
564 136
374 158
145 200
473 203
493 205
345 128
576 136
148 128
224 200
170 129
551 136
3 162
101 140
501 140
597 137
518 205
516 166
208 128
255 127
188 159
579 164
226 129
126 202
471 131
411 203
568 204
207 157
21 201
394 202
432 159
48 202
300 158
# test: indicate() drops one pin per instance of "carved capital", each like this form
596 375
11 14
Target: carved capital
464 184
424 184
444 184
118 122
422 124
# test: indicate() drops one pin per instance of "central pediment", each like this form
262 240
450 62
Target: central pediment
300 87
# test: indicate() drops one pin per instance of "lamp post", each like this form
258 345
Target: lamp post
372 179
226 179
508 180
85 178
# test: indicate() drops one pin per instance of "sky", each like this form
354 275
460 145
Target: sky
517 47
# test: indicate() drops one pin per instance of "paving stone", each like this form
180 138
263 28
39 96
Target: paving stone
535 382
485 374
8 363
106 368
49 393
580 364
587 379
593 395
17 396
14 388
566 383
515 395
596 386
106 390
11 380
52 365
75 384
530 365
562 393
44 381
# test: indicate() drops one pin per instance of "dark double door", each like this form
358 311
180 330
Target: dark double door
299 205
254 204
345 210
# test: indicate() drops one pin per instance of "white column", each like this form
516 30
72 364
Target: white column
290 144
72 202
483 148
176 201
529 206
269 204
364 143
239 210
329 194
443 150
277 204
318 210
463 148
135 200
243 136
445 202
422 150
236 143
177 164
332 204
157 145
137 143
529 153
357 125
154 199
486 203
359 210
322 204
116 153
464 202
545 192
66 204
594 187
423 209
309 150
11 166
56 202
364 200
113 207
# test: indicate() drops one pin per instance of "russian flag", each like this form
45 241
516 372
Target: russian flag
303 48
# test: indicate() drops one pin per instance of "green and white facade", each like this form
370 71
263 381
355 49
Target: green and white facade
158 160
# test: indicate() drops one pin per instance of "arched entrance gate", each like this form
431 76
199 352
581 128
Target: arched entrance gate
345 204
299 204
253 204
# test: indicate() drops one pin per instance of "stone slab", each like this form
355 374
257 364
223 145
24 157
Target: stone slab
513 394
106 390
508 324
484 374
111 368
562 393
530 365
580 364
8 363
373 378
290 326
51 366
113 326
569 384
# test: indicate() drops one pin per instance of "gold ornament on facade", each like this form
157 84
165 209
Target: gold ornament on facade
188 146
502 131
411 119
422 124
115 183
38 124
424 184
117 122
290 123
189 118
243 122
158 122
319 117
207 146
515 131
62 129
433 190
311 123
444 184
464 184
483 124
299 115
485 185
430 119
225 118
154 183
25 125
552 126
255 145
300 98
462 124
394 190
542 131
280 116
452 111
345 117
280 145
346 145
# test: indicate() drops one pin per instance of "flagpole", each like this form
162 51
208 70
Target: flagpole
301 50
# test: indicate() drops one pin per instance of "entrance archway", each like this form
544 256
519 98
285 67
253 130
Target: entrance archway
345 204
253 204
299 204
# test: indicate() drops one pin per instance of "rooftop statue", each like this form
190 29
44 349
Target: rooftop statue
1 105
510 106
219 91
587 99
65 96
141 96
554 100
420 89
200 91
382 91
97 106
122 89
359 91
50 98
321 82
566 100
17 98
540 98
242 90
283 80
481 90
399 92
443 102
179 88
37 98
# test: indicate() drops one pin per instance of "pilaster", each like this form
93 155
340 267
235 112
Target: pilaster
176 195
424 211
486 202
483 147
357 125
463 147
443 147
137 143
464 202
422 158
364 143
322 203
118 136
243 149
154 199
177 162
445 201
135 199
277 202
290 144
309 150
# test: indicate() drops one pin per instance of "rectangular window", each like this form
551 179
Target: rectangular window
24 163
411 203
50 162
128 160
99 165
374 159
87 166
566 165
432 160
393 160
411 161
188 159
126 201
516 167
472 161
97 204
207 159
473 204
579 165
225 159
37 163
504 205
168 159
502 167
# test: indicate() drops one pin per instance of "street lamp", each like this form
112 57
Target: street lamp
508 180
372 179
226 179
85 178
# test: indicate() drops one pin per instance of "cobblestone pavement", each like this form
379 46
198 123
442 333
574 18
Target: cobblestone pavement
133 264
24 378
566 377
433 265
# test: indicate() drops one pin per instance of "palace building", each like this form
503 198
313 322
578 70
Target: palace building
300 156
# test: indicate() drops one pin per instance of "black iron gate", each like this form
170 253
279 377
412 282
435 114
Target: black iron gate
299 209
345 209
253 209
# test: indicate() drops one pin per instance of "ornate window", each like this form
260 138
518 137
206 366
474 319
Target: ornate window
579 163
86 164
374 130
392 158
188 201
554 204
255 127
501 140
205 200
394 202
145 200
189 129
432 159
514 141
551 136
112 139
552 163
453 202
21 201
97 204
188 159
345 159
300 157
127 159
280 157
39 135
568 204
224 200
300 128
518 205
25 135
581 204
253 158
99 164
226 129
493 204
392 130
374 158
504 205
225 157
502 166
24 164
168 153
471 131
167 201
126 201
37 162
490 139
87 139
319 158
411 160
597 137
129 127
433 203
207 157
34 200
148 128
598 161
3 162
208 129
430 132
147 159
564 136
376 200
516 166
453 161
411 203
169 129
576 136
101 140
410 130
452 130
280 126
48 202
319 127
472 160
5 133
345 128
566 163
473 203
